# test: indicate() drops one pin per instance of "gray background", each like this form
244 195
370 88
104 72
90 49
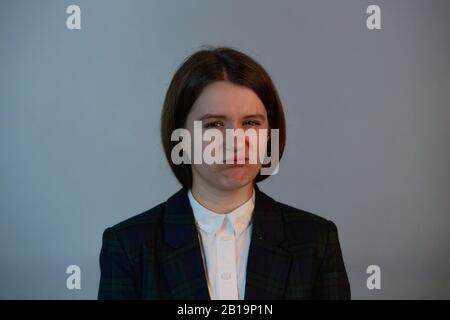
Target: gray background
368 119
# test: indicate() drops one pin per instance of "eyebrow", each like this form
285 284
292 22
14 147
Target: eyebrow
221 116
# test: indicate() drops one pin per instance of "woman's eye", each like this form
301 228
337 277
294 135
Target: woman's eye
252 123
215 124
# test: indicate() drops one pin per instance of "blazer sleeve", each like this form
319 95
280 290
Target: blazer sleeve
332 281
116 278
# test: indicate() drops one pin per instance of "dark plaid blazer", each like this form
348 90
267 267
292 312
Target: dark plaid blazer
293 254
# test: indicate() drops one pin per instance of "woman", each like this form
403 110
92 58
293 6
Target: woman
220 236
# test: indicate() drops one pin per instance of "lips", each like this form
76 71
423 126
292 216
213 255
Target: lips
235 160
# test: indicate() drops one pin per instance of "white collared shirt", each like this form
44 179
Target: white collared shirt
225 240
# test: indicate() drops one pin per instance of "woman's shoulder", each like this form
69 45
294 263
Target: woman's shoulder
290 213
138 227
295 214
301 225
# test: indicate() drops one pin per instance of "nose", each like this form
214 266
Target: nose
238 150
240 143
239 138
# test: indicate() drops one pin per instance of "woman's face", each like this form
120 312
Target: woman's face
224 105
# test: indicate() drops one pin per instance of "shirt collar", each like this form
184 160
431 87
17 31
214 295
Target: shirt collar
210 221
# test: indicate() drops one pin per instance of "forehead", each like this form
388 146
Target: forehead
223 97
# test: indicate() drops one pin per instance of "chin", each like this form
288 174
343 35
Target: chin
231 185
234 180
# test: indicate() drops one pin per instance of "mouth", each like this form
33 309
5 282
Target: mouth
236 161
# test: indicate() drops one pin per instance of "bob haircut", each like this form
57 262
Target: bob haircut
201 69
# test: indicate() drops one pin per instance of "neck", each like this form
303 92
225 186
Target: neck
221 201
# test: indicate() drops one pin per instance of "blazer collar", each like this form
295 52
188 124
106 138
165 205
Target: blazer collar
268 265
179 220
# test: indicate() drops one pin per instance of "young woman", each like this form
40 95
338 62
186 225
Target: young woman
220 236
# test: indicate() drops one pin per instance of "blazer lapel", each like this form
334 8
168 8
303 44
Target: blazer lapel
268 265
181 260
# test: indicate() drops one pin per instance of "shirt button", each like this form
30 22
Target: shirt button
225 238
226 276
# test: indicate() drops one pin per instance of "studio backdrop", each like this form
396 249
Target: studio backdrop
365 87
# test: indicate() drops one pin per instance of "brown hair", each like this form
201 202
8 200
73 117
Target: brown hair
201 69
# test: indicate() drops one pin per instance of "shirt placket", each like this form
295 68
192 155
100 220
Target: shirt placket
226 263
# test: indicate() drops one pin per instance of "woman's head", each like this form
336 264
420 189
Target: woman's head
225 89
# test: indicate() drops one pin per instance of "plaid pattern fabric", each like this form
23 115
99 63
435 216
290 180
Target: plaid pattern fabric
293 254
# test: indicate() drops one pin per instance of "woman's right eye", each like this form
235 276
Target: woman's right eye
215 124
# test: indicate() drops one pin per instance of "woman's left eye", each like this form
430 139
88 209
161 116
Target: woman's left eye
252 123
